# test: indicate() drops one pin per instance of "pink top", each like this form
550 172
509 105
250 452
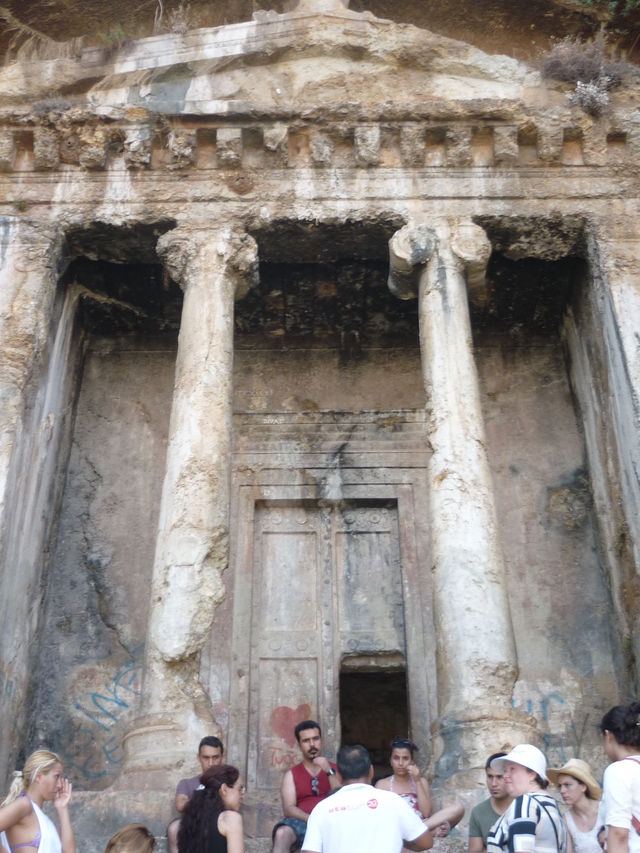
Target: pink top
411 797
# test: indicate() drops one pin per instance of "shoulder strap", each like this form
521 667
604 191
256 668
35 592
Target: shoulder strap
543 805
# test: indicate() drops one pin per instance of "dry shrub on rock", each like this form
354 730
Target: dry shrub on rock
588 65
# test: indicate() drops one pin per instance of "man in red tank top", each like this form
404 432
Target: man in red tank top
303 787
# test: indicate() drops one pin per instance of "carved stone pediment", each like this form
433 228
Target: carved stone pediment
321 53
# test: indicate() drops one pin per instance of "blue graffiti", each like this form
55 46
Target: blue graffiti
97 745
559 748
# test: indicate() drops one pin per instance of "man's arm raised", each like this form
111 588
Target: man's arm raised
324 764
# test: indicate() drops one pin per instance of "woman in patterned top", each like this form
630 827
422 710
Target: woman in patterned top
407 781
532 823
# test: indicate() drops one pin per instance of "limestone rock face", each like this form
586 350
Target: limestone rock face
319 381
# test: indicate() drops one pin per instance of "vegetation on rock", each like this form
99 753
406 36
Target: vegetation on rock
588 65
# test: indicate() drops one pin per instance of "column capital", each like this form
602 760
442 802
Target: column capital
469 242
409 250
471 246
458 243
186 252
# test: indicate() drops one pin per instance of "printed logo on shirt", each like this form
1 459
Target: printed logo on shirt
372 803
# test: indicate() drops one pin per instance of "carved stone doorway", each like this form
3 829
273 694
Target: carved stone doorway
326 584
328 590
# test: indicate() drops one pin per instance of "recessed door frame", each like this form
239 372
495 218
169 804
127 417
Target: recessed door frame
398 485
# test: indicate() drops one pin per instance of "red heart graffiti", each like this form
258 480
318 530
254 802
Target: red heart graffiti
284 720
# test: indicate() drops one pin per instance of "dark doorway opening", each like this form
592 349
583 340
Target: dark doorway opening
373 710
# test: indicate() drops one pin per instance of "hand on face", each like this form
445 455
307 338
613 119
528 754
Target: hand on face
63 795
322 762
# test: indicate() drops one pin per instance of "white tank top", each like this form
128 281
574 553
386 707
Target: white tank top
585 842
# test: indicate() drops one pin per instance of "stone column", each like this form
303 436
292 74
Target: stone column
30 256
192 549
30 424
476 656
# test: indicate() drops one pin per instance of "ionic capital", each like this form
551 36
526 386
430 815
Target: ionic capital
409 250
459 245
471 246
193 256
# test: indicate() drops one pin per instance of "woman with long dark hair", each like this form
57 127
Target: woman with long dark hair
620 729
211 821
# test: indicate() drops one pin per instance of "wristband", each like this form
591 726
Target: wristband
331 772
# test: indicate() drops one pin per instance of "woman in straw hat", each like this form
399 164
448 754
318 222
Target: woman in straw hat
532 823
580 791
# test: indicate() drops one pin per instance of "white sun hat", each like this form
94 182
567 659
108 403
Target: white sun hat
528 756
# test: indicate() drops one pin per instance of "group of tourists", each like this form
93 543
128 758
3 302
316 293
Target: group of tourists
524 818
331 808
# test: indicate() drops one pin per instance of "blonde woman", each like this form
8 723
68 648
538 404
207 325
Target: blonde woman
133 838
23 824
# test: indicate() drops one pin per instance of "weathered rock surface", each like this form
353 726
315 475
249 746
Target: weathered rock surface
241 480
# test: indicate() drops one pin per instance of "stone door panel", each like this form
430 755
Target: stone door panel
368 579
326 582
288 645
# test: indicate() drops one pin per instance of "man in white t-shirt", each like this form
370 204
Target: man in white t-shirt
361 819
